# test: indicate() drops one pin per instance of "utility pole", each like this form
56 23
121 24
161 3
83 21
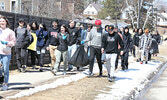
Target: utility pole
138 18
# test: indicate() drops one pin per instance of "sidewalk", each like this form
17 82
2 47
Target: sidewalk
126 86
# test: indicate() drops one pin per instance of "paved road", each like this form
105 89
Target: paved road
158 90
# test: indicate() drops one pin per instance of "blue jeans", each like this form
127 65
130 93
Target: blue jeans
71 51
5 60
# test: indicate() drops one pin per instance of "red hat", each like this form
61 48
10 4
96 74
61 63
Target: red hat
98 22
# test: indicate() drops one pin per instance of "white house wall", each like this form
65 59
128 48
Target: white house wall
90 10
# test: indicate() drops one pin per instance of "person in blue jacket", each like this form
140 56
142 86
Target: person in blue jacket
42 36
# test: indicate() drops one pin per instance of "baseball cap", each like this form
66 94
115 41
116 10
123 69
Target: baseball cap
111 28
98 22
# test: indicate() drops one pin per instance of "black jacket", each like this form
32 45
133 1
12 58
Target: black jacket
22 38
110 43
157 38
75 36
136 39
51 37
62 44
127 40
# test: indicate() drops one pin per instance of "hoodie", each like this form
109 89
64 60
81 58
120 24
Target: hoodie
75 36
51 37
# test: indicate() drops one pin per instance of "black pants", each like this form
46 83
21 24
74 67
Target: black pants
95 52
116 62
21 56
41 55
33 56
124 60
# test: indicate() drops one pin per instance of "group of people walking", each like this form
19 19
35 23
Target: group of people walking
107 44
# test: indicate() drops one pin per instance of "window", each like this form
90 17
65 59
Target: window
13 6
2 6
88 12
93 13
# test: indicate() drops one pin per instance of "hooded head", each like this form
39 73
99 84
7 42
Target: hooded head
126 30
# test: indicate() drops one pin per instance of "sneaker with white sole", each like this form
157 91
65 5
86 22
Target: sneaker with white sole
53 72
64 73
4 88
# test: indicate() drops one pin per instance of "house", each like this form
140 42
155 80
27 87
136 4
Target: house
92 10
162 19
10 6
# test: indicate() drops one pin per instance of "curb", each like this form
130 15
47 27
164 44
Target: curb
137 94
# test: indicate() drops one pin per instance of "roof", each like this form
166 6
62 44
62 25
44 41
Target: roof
96 6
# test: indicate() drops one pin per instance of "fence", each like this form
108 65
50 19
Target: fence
13 19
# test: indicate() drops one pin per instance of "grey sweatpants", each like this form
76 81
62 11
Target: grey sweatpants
58 59
110 62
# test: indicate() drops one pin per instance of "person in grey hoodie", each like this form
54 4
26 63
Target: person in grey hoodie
95 38
22 42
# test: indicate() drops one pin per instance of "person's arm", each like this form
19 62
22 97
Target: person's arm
12 39
120 41
103 45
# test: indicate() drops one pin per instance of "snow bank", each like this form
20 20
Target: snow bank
126 83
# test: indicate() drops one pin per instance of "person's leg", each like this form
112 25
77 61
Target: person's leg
6 62
74 48
112 62
69 57
18 58
24 56
65 58
38 55
92 57
58 58
126 59
116 62
33 58
108 65
52 54
122 62
98 57
43 50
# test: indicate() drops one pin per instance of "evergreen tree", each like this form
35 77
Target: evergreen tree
111 8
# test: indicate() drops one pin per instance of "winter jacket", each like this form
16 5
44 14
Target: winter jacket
9 36
51 37
63 43
157 38
75 36
136 39
42 37
127 40
146 41
95 38
22 37
110 43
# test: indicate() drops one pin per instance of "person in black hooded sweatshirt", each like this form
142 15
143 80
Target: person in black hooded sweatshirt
127 40
52 42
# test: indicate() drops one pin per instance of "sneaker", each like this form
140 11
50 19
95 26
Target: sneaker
53 72
64 73
41 69
19 70
33 67
69 69
100 75
4 87
108 77
111 79
24 69
90 75
146 62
